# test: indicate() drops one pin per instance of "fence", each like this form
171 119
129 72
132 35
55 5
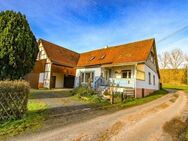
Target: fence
13 99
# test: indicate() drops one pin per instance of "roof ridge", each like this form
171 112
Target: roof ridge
115 46
40 39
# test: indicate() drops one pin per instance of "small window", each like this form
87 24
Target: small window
152 58
92 57
82 77
126 74
110 73
153 79
102 57
149 75
86 76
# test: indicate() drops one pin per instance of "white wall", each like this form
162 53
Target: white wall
97 74
145 84
59 80
47 74
41 78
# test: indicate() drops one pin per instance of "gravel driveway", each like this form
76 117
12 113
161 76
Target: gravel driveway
58 101
141 123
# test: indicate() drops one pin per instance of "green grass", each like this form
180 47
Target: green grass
126 103
35 93
31 121
176 87
140 101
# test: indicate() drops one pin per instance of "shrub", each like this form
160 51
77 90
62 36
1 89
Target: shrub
13 99
96 99
87 94
83 91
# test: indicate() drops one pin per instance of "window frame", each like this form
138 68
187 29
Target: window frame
83 76
154 80
128 74
149 78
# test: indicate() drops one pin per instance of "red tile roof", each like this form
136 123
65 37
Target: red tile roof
59 55
132 52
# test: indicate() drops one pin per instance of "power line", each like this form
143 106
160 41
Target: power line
174 33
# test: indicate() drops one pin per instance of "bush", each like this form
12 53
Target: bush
87 94
83 91
13 99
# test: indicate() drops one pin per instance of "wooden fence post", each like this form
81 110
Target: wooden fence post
111 95
122 97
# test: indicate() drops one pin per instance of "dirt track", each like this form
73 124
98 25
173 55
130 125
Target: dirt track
141 123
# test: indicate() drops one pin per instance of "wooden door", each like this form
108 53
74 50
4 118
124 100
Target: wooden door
69 81
53 80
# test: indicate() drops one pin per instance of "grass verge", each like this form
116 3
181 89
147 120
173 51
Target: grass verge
176 87
130 102
139 101
31 121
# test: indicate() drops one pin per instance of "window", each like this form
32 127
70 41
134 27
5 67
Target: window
140 72
110 73
153 79
92 57
82 77
152 58
149 75
86 76
126 74
102 57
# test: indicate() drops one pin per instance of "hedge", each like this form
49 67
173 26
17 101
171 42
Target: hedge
13 99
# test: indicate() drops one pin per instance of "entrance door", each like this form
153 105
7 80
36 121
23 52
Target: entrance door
142 92
69 81
53 80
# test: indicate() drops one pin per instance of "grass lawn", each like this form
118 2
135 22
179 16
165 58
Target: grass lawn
176 87
139 101
31 121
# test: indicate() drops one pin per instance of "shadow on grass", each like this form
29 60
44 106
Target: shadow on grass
54 93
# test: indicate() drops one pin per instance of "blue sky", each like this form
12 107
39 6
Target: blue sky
83 25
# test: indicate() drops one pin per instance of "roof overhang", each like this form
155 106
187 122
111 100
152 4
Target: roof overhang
121 64
63 69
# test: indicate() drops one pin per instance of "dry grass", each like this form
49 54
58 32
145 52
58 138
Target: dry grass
176 129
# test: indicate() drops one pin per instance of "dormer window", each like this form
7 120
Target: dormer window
102 57
92 57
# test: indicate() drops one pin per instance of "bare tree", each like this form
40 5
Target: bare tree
164 60
176 58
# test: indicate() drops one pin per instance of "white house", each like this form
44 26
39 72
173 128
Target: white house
128 66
